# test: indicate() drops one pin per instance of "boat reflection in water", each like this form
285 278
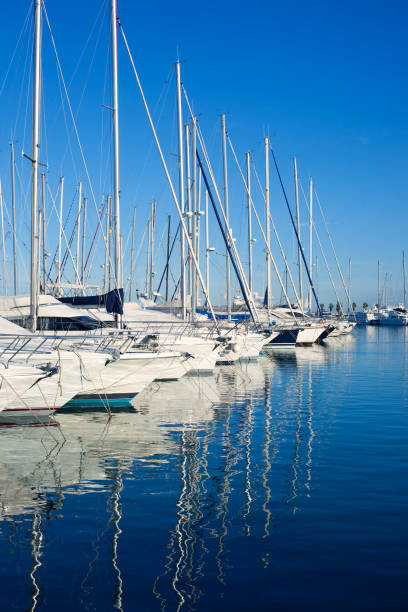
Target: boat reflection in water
172 503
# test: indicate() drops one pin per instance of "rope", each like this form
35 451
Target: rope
74 123
182 222
334 253
263 233
296 233
322 252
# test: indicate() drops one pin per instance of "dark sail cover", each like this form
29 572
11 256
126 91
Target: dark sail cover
113 301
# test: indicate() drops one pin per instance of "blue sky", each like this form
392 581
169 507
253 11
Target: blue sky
326 81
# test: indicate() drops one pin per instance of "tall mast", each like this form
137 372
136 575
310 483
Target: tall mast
207 247
40 238
189 211
83 245
403 274
310 239
149 225
168 257
248 161
106 266
268 227
378 284
109 222
34 158
131 255
226 208
3 244
13 205
115 103
78 278
198 232
298 232
194 219
152 231
44 244
181 190
60 229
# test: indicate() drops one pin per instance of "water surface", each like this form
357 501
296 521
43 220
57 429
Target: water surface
279 485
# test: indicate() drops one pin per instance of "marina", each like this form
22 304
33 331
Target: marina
203 339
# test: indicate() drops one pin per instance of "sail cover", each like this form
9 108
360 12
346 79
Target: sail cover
112 301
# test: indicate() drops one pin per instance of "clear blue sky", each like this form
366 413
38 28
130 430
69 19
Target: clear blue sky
326 81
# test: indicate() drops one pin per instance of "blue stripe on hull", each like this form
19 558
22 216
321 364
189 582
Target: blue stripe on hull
120 402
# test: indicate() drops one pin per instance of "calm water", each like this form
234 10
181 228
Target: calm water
289 492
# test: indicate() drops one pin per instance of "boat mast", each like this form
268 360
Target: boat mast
13 205
3 244
78 279
198 231
109 223
403 273
131 255
60 230
44 252
378 285
34 160
248 161
268 228
152 231
83 246
226 208
149 223
188 212
207 247
298 232
168 257
115 109
40 238
194 218
181 190
310 240
105 267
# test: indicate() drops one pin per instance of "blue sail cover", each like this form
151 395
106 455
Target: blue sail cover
112 301
235 316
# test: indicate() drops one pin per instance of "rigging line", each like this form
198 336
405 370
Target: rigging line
173 193
262 231
296 233
74 199
68 132
168 260
167 82
227 242
20 98
103 5
94 236
136 259
227 225
87 77
102 111
90 268
107 162
321 249
65 257
278 239
28 97
66 242
334 251
110 260
15 49
75 125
